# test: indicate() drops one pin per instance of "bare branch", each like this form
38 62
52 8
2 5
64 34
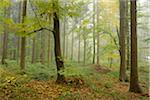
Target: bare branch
34 31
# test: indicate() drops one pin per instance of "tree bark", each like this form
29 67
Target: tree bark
18 38
42 54
48 50
79 43
128 35
57 48
84 57
122 74
4 51
5 38
98 32
23 39
33 50
94 41
134 84
72 43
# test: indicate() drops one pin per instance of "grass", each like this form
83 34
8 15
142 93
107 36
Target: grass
37 82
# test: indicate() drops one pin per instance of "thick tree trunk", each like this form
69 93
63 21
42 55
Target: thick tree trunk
23 39
134 84
122 75
57 48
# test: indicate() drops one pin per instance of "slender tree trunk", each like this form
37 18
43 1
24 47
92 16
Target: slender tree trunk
22 55
18 38
58 57
79 42
128 35
1 41
5 38
18 49
42 55
122 75
67 45
72 46
23 39
64 37
4 51
33 50
134 84
15 46
48 50
94 46
98 32
84 58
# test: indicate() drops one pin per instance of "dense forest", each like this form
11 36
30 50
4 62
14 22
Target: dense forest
74 49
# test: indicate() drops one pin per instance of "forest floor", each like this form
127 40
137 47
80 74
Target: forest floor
84 82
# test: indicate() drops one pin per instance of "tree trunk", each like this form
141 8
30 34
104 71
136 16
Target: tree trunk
84 58
128 35
5 38
67 47
23 39
94 46
15 46
72 46
64 37
4 51
48 50
18 38
122 74
18 49
57 48
134 84
97 32
42 54
33 50
79 43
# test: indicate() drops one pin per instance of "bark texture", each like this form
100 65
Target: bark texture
57 47
122 75
23 39
134 84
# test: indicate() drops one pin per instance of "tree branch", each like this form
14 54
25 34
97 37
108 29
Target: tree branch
42 28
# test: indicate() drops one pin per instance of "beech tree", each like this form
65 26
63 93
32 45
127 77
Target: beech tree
134 82
23 38
122 76
57 48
